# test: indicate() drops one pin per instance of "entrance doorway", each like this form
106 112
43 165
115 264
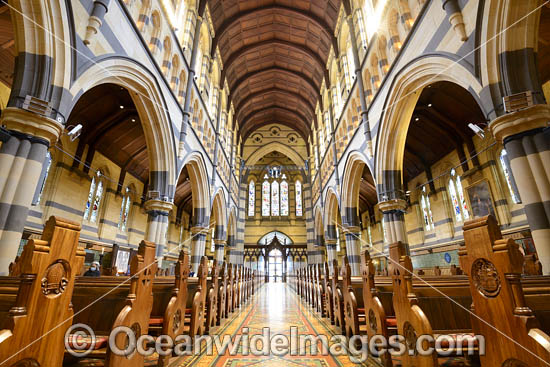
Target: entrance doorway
275 263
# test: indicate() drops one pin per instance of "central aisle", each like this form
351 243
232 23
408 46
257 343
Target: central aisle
278 307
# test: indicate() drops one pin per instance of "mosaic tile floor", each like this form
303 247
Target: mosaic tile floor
278 307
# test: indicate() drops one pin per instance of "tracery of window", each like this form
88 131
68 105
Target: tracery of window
298 187
251 198
266 198
94 198
460 207
426 210
510 181
125 210
284 197
275 198
316 157
48 164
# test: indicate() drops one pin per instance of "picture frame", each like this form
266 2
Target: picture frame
480 199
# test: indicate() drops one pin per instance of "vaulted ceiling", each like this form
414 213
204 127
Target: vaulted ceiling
7 46
274 55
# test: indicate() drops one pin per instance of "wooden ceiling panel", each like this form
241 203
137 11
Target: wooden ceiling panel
293 36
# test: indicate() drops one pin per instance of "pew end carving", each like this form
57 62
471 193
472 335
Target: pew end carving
42 312
494 266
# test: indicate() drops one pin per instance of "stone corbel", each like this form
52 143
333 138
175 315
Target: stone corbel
455 18
99 10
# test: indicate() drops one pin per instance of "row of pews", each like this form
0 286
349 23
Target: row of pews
491 298
44 296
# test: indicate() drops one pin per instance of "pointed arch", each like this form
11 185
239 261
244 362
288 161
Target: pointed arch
275 146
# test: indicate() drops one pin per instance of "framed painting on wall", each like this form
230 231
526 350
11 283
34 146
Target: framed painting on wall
480 199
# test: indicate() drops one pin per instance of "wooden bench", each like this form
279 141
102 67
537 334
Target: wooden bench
494 265
41 311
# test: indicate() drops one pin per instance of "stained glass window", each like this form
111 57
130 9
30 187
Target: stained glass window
266 198
251 198
45 176
284 198
510 181
335 105
426 210
369 233
346 71
275 198
460 207
298 187
384 231
94 198
125 211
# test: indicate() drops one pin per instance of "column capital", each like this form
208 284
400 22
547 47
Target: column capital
351 229
154 205
392 205
534 117
31 124
220 242
198 229
331 242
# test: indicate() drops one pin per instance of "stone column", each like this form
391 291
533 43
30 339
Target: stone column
198 243
157 223
526 137
22 155
331 251
220 250
394 221
353 249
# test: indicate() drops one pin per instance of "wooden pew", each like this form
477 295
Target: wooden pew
329 301
173 321
495 266
377 321
337 297
44 277
212 293
321 302
222 294
230 288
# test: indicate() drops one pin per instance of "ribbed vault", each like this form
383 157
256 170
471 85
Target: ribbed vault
274 55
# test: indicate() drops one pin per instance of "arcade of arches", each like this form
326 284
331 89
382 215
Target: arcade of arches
275 135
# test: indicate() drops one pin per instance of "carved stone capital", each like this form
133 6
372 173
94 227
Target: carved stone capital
31 124
534 117
392 205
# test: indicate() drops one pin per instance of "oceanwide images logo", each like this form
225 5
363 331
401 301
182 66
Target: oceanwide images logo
80 340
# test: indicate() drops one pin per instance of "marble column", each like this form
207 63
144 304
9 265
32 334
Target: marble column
526 136
27 139
394 222
157 223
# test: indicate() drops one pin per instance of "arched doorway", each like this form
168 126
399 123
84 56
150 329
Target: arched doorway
275 265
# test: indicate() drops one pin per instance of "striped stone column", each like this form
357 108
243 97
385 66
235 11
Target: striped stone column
331 251
220 250
526 137
157 223
198 244
238 253
394 222
28 137
312 257
353 249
